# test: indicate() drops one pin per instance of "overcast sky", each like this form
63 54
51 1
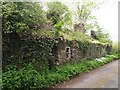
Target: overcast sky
107 16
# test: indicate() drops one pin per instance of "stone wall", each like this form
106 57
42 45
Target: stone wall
18 50
68 50
79 27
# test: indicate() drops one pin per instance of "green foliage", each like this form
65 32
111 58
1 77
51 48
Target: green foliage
83 46
19 78
115 48
19 16
0 78
28 77
58 12
84 13
21 22
29 50
84 9
82 40
58 28
102 37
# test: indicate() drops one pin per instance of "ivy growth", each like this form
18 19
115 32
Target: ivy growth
83 46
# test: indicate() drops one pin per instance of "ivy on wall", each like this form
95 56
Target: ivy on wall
83 46
18 51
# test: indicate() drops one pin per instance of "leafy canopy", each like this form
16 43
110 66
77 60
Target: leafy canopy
60 15
84 13
18 16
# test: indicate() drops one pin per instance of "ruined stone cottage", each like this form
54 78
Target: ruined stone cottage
66 51
23 48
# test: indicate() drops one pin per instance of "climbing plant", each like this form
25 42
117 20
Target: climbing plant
83 46
27 50
82 40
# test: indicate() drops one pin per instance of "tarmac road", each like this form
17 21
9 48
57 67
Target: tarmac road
103 77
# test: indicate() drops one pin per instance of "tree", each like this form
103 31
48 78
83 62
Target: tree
22 16
103 37
59 14
19 21
84 13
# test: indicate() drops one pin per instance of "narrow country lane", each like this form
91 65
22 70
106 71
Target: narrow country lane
103 77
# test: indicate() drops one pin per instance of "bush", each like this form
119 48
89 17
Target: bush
24 77
28 77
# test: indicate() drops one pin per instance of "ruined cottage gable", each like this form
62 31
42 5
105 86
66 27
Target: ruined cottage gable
79 27
93 35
